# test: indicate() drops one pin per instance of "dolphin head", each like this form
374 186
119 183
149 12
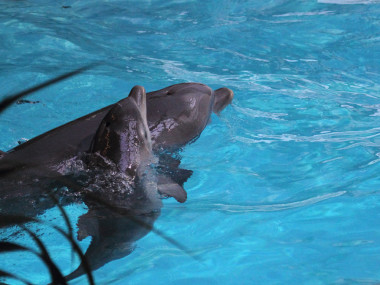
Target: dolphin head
123 136
179 113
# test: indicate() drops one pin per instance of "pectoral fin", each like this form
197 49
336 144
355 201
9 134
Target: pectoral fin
166 186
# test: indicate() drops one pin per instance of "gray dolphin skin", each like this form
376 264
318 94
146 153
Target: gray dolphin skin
176 115
122 160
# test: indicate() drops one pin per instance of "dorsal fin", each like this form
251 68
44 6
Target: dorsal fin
166 186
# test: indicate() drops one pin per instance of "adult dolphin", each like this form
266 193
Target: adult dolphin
126 212
164 121
176 116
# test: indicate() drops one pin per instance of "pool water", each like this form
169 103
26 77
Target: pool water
286 185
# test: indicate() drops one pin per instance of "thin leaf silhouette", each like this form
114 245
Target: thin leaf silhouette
55 273
5 103
11 220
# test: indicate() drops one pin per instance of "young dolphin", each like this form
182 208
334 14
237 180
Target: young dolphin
123 139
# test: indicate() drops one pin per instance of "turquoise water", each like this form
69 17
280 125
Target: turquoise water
285 187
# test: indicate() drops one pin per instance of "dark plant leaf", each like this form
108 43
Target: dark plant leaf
63 213
5 103
10 246
7 220
11 220
9 275
55 273
74 246
67 221
83 259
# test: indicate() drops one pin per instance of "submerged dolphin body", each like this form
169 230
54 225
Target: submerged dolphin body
122 138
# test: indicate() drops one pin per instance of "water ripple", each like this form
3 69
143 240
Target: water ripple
259 114
350 136
267 208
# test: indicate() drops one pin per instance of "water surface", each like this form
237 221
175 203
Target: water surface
286 181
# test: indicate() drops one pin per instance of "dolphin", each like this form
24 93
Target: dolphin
113 233
176 115
123 138
123 141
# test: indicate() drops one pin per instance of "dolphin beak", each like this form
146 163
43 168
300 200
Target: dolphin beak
223 97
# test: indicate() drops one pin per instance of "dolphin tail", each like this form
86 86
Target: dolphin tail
166 186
